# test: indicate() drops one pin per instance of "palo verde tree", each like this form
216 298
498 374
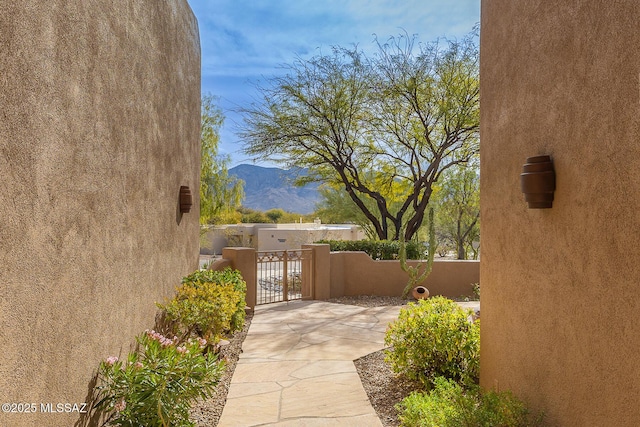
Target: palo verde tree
382 126
220 193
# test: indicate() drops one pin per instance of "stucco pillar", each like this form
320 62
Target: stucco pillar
244 260
321 271
560 285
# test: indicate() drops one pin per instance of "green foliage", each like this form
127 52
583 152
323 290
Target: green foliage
274 214
379 129
158 383
458 201
476 291
378 249
450 405
208 303
220 193
433 338
252 216
336 207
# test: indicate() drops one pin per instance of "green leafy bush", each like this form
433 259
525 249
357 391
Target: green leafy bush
158 383
433 338
208 304
448 404
378 249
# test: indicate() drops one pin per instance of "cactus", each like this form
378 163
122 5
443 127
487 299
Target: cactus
415 274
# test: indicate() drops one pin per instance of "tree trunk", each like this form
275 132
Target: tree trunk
462 253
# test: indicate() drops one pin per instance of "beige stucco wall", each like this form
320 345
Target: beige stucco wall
355 273
274 237
283 238
336 274
560 286
99 128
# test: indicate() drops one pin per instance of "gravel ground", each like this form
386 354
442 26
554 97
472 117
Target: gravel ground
383 387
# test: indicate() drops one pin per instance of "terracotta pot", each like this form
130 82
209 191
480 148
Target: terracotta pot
420 292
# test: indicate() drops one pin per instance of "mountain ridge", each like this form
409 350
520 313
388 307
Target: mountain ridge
268 188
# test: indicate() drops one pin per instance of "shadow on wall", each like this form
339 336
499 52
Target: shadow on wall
92 417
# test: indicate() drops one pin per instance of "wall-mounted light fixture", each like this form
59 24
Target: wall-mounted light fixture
538 182
186 201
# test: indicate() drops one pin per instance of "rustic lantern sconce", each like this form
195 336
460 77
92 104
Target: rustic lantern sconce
538 182
185 199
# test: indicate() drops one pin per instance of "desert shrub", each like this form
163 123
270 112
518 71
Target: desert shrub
476 291
207 304
433 338
448 404
378 249
158 383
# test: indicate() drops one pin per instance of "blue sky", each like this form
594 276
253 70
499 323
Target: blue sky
244 41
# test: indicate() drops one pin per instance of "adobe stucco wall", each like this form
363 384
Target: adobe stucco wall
560 286
99 128
355 273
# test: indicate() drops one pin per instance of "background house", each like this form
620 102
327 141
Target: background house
560 286
99 128
267 237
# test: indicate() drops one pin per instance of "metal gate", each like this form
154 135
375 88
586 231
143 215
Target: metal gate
284 275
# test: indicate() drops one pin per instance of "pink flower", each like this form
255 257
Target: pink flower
111 360
164 341
202 342
120 406
182 349
138 365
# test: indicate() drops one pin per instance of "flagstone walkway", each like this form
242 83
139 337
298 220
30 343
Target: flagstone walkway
297 367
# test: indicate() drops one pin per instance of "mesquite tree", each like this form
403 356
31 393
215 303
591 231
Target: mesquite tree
381 128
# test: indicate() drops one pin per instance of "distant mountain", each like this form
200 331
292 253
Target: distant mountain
272 188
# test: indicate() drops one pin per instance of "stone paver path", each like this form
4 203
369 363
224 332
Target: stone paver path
297 367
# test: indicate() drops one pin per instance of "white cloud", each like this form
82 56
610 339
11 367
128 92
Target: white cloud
249 37
242 40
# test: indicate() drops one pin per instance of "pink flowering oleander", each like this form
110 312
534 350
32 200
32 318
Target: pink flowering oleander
120 406
111 360
164 341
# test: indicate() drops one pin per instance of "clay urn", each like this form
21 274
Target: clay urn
420 292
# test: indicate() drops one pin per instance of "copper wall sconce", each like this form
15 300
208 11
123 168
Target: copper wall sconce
186 200
538 182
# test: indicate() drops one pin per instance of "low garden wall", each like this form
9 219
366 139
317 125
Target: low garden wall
355 273
338 274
